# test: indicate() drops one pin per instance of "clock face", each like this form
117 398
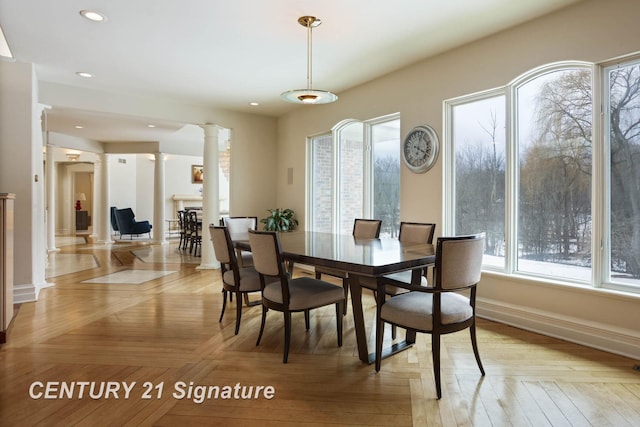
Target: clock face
420 149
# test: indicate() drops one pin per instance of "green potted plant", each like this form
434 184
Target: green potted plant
280 220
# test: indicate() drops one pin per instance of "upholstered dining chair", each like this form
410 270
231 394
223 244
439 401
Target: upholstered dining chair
362 229
439 309
235 280
283 293
239 225
410 232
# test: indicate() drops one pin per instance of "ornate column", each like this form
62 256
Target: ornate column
158 199
51 200
210 209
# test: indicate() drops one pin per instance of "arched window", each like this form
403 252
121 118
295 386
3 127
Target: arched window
354 172
519 167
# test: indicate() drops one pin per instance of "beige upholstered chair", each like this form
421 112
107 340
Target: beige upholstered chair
410 232
282 293
362 229
240 281
441 309
239 225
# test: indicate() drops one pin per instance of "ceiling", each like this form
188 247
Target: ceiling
226 54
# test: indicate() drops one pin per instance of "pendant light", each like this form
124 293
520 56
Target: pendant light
309 95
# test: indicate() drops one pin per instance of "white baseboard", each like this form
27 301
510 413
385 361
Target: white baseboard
615 340
28 293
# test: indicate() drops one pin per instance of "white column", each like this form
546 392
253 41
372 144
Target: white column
158 200
210 209
101 211
51 200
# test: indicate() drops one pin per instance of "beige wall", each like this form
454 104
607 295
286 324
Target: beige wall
591 31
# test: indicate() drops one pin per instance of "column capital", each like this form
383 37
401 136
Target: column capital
210 129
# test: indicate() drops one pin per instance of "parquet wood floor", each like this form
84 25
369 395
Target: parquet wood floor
162 336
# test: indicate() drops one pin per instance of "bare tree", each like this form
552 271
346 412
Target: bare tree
624 134
555 171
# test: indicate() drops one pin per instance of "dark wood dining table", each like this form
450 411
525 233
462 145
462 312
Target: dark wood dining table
360 257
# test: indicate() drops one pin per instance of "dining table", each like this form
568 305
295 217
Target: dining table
360 258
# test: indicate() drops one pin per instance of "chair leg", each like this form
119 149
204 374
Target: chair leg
238 312
306 320
224 303
339 319
435 350
345 286
287 335
264 318
474 344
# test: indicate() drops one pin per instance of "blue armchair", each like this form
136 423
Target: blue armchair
127 223
114 223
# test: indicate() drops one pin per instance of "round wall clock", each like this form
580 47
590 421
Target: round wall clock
420 149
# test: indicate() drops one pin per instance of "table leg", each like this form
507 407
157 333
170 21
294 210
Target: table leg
358 317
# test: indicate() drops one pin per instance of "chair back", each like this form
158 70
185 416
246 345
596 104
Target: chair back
267 258
459 261
125 219
416 232
366 228
222 245
181 221
192 222
240 224
114 223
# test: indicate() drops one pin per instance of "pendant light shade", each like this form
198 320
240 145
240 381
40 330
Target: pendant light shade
309 95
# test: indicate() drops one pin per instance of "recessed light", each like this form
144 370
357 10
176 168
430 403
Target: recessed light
254 103
79 127
93 16
151 126
84 74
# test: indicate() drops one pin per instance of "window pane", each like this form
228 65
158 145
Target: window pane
624 145
479 141
554 152
321 183
386 176
351 172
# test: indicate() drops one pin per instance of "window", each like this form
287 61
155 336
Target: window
553 115
478 135
563 211
622 136
521 169
354 172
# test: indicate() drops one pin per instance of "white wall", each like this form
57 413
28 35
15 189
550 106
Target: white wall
123 184
592 30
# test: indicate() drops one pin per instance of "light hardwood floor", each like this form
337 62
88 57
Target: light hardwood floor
164 332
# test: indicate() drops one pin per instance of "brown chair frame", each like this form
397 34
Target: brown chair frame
440 287
274 269
226 256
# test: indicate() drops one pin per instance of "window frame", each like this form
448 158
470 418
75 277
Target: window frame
368 185
509 91
603 277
